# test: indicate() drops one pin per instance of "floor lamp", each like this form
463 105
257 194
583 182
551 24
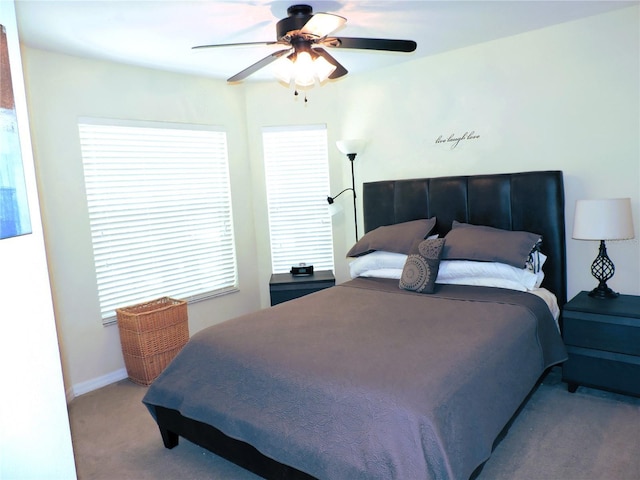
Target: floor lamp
350 148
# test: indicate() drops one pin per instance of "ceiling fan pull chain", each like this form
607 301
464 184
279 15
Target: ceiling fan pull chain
295 94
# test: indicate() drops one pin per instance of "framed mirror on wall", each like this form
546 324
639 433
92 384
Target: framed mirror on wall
14 207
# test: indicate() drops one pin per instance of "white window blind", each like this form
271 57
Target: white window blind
160 211
297 181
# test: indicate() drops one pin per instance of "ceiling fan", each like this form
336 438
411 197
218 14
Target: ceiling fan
304 34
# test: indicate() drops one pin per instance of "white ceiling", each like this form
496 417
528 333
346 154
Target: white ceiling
160 33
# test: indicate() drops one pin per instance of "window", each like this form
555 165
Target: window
160 211
297 179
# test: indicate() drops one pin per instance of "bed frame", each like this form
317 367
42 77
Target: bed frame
529 201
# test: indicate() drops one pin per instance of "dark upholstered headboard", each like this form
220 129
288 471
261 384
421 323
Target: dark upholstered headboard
529 201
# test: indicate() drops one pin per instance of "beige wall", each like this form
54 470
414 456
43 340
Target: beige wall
564 97
64 88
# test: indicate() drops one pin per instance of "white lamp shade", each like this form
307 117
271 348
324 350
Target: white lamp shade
335 209
350 146
603 219
323 68
305 71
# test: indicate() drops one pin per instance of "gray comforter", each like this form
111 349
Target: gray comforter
364 380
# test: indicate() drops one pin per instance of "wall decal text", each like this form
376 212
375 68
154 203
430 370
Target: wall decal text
456 139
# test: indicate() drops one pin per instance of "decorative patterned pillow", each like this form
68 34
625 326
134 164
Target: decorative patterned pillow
421 268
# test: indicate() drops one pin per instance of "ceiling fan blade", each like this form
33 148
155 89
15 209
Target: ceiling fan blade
247 44
340 71
372 44
322 24
258 65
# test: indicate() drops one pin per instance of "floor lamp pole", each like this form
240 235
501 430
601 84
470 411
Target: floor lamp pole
352 157
350 149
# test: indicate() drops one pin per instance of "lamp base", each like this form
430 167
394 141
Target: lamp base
602 269
603 292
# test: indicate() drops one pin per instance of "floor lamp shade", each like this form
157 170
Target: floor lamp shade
354 146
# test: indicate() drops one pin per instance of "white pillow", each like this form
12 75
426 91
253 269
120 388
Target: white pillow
393 273
376 261
396 273
492 274
383 264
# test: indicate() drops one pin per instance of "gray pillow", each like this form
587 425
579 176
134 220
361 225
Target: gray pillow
398 238
421 268
488 244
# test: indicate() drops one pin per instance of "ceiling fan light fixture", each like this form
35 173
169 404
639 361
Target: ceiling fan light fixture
302 69
322 68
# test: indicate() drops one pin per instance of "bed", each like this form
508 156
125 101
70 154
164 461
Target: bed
370 380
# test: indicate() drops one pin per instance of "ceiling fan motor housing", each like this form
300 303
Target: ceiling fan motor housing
298 17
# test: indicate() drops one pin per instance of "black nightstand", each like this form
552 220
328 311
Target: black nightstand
603 341
284 286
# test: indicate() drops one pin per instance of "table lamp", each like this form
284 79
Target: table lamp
603 219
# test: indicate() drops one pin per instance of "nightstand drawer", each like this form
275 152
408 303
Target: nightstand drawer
612 371
601 332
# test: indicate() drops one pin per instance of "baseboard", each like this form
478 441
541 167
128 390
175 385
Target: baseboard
69 394
96 383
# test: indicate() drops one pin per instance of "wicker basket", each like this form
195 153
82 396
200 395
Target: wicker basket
151 335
